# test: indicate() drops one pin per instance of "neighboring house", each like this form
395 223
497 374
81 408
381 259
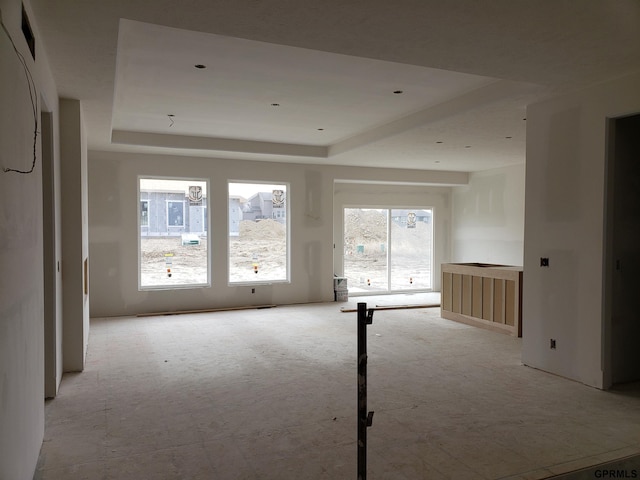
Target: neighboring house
169 213
236 206
261 206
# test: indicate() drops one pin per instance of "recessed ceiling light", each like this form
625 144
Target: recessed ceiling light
439 141
467 146
398 92
275 104
320 129
508 137
200 66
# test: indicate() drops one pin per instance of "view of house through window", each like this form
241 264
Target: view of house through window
258 232
144 213
173 233
387 249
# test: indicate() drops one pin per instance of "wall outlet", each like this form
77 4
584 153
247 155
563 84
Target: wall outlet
544 262
552 343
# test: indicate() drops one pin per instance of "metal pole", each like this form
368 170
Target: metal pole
364 418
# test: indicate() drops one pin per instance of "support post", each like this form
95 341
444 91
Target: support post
365 418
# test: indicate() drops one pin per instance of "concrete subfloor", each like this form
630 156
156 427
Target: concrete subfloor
271 394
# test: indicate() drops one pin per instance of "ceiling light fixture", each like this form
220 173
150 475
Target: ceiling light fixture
321 129
275 104
398 92
508 137
439 141
200 66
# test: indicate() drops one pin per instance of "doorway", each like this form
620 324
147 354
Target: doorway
622 254
50 262
388 250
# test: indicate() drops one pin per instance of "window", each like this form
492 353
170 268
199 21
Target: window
365 243
173 246
410 249
258 233
387 249
144 213
175 213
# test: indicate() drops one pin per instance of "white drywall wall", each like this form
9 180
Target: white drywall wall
564 221
73 152
488 217
113 206
21 253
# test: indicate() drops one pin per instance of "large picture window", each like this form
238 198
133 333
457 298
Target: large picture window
388 250
258 233
173 236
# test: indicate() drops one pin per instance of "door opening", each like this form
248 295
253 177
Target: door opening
50 270
388 249
622 257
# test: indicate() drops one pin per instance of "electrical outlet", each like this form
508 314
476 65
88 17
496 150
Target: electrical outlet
544 262
552 343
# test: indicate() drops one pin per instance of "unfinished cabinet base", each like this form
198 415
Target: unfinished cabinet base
483 295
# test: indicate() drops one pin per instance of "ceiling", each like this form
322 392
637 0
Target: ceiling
419 84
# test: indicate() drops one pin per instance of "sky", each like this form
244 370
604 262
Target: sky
247 190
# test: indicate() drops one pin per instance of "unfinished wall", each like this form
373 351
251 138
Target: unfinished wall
488 217
114 236
113 214
75 227
21 251
564 221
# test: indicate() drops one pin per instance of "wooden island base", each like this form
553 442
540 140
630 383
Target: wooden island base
483 295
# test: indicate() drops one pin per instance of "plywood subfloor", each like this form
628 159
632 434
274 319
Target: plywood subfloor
271 394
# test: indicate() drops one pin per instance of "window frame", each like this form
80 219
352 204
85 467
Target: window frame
287 223
389 248
206 237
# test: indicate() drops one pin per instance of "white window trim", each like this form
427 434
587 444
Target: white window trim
207 238
287 189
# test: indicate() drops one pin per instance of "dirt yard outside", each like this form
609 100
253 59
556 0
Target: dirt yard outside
262 244
366 253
